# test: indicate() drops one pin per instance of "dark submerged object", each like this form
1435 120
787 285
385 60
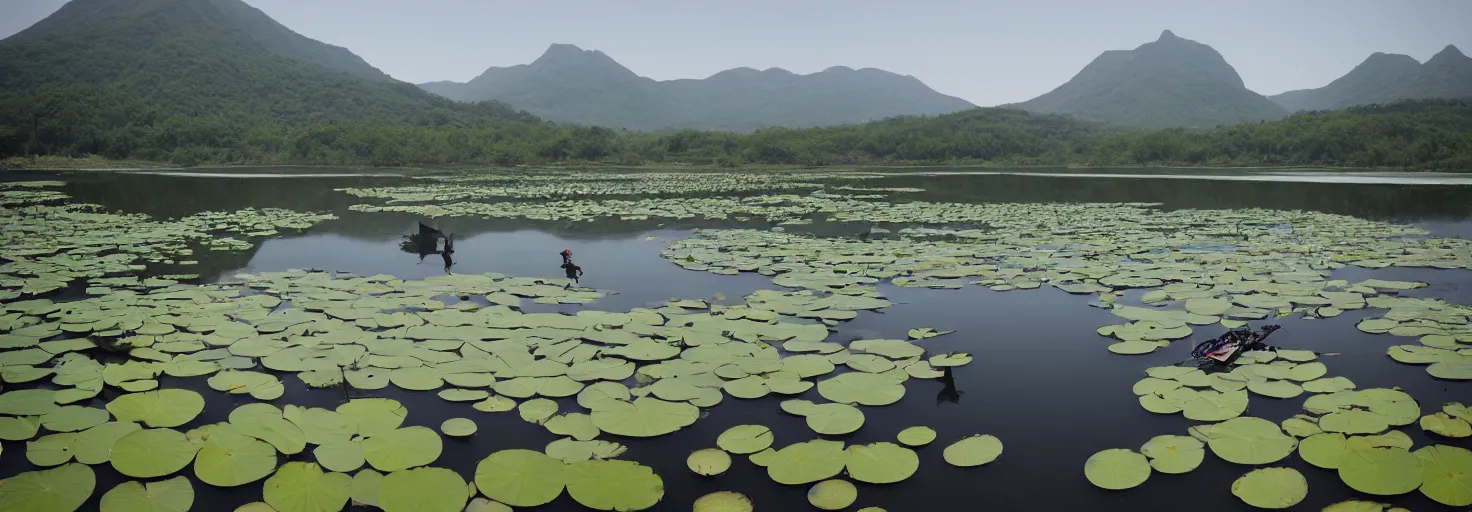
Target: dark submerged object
1225 349
427 241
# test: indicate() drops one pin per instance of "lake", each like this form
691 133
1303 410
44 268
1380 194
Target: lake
1041 379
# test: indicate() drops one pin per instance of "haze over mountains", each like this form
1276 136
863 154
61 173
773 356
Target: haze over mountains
1386 78
569 84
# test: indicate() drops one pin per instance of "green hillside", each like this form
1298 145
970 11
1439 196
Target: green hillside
148 78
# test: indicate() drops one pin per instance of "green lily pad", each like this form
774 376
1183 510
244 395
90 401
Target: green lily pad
422 490
1174 454
19 429
745 439
365 487
172 495
834 419
1354 421
708 462
916 436
162 408
304 487
52 450
1446 474
520 478
60 489
1380 471
575 424
153 453
723 501
862 388
1323 450
1274 388
266 422
1249 440
230 459
1446 425
832 494
342 455
458 427
1117 469
1271 488
807 462
881 463
403 448
613 485
571 450
94 445
537 410
644 417
73 418
261 386
973 451
372 416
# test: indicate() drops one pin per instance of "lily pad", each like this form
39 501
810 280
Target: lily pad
162 408
422 490
832 494
60 489
644 417
708 462
834 419
372 416
402 448
1381 471
172 495
230 459
1117 469
304 487
1446 474
342 455
1174 454
973 451
1249 440
807 462
881 463
153 453
745 439
723 501
520 478
861 388
1271 488
916 436
613 485
458 427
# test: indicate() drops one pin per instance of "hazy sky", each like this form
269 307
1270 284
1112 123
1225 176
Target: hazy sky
988 52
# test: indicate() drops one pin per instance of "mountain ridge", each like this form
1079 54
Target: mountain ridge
570 84
1387 78
1171 82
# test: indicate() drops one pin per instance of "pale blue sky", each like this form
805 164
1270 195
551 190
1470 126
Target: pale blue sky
988 52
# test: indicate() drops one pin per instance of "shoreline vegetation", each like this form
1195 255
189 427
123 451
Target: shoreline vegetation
1420 135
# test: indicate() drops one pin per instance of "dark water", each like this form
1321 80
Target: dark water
1041 381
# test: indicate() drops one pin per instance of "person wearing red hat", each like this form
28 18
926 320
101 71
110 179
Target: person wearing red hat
566 256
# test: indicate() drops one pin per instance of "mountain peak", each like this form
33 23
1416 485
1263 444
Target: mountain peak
1167 35
1450 51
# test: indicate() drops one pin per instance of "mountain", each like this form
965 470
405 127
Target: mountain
196 72
1386 78
569 84
1169 83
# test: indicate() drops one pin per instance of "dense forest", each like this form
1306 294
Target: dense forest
79 121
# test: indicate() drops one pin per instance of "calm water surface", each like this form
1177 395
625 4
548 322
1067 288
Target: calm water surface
1041 380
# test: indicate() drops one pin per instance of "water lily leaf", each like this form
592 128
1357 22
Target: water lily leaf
365 487
261 386
1323 450
520 478
19 429
458 427
416 379
73 418
916 436
1274 388
1271 488
861 388
745 439
153 453
1174 454
422 490
881 463
321 426
372 416
1298 426
94 445
834 419
1361 506
723 501
342 455
1446 474
807 462
601 394
402 448
613 485
1328 385
28 402
708 462
266 422
1380 471
172 495
303 487
1354 421
230 459
1446 425
644 417
832 494
1249 440
52 450
973 451
537 410
1116 469
570 450
61 489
